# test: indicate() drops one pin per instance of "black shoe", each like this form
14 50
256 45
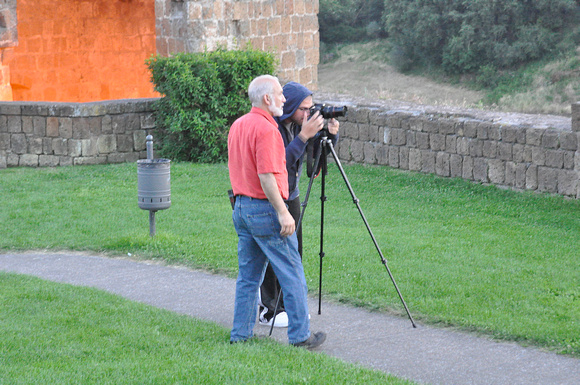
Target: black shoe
313 341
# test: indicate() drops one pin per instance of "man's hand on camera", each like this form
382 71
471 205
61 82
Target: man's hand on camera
311 126
333 126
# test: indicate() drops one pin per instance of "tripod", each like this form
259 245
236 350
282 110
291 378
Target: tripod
320 163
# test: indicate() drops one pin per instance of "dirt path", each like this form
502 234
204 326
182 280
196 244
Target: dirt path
374 80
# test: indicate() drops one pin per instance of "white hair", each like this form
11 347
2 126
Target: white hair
260 86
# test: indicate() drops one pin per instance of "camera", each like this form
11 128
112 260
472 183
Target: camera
328 112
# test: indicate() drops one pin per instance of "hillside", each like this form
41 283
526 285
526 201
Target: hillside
360 70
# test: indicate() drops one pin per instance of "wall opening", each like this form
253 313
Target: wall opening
83 50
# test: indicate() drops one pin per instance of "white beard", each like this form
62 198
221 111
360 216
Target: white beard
276 111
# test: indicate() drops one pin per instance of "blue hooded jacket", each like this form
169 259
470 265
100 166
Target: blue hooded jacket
295 94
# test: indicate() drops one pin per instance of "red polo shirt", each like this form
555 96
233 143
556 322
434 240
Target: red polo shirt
255 146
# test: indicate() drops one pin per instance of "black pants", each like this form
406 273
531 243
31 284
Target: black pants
270 287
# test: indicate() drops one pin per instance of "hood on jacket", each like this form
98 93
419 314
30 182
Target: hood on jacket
295 93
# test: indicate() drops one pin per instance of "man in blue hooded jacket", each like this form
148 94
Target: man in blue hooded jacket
297 129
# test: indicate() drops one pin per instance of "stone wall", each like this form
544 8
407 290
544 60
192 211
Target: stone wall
289 29
64 134
523 152
8 40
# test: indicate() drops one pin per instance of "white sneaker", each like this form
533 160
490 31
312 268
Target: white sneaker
280 322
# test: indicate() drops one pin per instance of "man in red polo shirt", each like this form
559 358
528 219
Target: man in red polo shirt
265 227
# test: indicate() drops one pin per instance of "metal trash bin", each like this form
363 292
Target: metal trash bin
154 184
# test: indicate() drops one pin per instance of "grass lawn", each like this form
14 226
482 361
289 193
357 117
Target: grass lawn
476 257
61 334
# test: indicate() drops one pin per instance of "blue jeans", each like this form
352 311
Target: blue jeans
258 229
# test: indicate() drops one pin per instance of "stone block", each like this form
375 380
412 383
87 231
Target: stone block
14 124
551 139
59 146
534 136
65 128
554 158
510 174
35 145
538 156
28 160
442 161
356 151
547 179
359 115
89 160
521 172
382 154
3 163
370 155
467 168
47 146
147 121
476 148
518 154
140 140
18 144
456 166
344 149
568 182
89 147
123 157
470 128
48 160
411 139
12 160
480 168
4 142
349 130
463 146
448 127
576 117
74 147
81 128
394 156
569 159
482 131
52 126
495 132
490 149
428 161
423 141
106 144
125 143
505 151
415 159
431 126
569 141
403 158
398 137
451 144
437 142
496 171
65 161
28 125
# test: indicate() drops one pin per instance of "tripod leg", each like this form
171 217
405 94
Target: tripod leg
356 202
322 200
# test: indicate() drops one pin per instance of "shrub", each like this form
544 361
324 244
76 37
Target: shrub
462 36
203 93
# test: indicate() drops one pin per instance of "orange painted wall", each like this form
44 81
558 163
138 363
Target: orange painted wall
83 50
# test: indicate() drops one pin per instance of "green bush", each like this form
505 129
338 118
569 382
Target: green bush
203 93
463 36
344 21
